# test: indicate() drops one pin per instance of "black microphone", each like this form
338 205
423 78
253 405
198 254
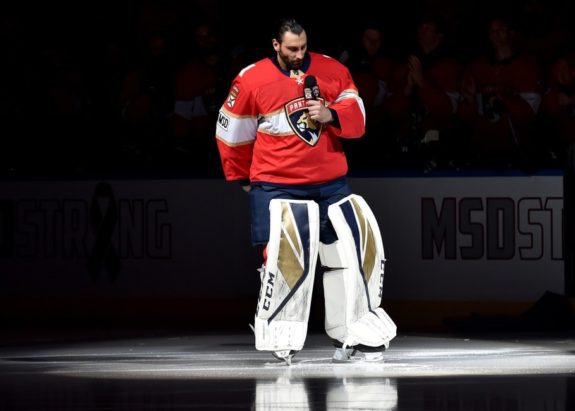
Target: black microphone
311 89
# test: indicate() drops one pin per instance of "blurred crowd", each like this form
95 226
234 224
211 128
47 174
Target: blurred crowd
135 88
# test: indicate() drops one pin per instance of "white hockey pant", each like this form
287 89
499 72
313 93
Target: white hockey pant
287 279
354 283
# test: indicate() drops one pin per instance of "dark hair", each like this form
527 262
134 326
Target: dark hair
438 20
507 19
287 24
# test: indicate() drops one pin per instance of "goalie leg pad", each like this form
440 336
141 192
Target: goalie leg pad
353 286
287 281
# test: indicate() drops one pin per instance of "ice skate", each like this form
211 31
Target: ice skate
342 355
284 355
357 353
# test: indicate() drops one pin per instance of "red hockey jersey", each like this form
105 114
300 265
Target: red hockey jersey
263 131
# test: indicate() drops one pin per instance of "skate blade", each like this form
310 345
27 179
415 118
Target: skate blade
284 356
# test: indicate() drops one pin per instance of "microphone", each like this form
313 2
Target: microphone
311 89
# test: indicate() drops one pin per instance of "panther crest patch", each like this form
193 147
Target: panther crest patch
301 123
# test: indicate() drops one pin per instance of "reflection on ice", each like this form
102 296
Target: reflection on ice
364 394
286 393
281 394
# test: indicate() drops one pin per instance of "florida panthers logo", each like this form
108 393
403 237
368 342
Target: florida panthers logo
301 123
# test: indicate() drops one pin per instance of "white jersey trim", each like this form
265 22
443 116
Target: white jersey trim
347 94
275 124
236 130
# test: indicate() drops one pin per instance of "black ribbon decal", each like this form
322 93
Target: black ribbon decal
103 220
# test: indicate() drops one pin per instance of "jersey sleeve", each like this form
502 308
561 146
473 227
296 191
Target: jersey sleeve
236 130
350 109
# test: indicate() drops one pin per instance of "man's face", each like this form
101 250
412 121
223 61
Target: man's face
428 35
499 33
371 41
291 50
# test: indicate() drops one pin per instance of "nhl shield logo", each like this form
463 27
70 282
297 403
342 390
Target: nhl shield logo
301 123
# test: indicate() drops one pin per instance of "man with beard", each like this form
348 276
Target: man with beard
278 133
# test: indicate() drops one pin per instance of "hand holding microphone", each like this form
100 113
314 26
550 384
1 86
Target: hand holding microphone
317 110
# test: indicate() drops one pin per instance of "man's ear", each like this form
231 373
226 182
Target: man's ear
276 44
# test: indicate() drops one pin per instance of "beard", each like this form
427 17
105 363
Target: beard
290 65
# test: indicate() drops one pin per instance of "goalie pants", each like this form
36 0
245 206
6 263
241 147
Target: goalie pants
323 194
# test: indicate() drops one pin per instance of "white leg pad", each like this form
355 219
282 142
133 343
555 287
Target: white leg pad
287 281
280 335
353 288
374 329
